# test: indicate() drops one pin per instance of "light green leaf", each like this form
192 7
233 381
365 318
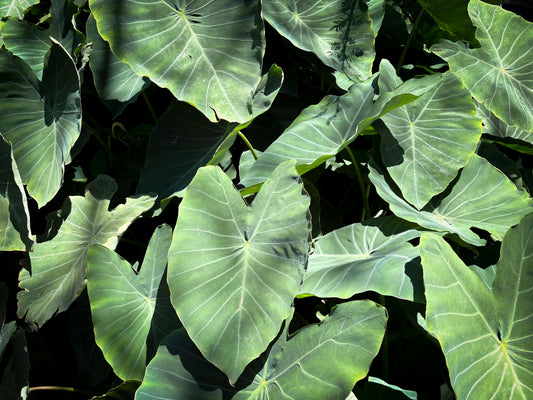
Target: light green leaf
15 8
496 127
499 73
59 265
329 357
322 130
123 301
482 197
426 142
339 32
485 335
234 269
113 79
42 120
373 255
27 41
15 231
209 54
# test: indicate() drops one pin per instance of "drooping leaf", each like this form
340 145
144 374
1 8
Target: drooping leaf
209 54
498 74
376 387
373 255
496 127
322 130
185 140
42 120
123 302
27 41
15 231
15 8
427 141
125 390
234 269
482 197
59 265
485 334
62 28
113 79
329 358
339 32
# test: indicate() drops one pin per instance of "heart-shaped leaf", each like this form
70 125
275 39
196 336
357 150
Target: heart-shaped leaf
485 334
498 74
329 357
15 8
123 302
374 255
482 197
234 269
339 32
42 120
207 53
59 266
427 141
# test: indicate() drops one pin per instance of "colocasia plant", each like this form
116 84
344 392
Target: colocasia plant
279 199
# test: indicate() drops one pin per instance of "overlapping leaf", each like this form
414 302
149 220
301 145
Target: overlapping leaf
15 8
485 334
327 358
498 74
15 232
209 54
427 141
42 120
496 127
234 269
482 197
364 256
322 130
339 32
59 265
123 302
113 79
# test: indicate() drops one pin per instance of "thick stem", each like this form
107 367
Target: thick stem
149 105
248 144
364 193
61 389
409 39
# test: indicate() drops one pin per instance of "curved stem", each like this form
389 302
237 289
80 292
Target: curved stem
60 388
149 105
364 192
409 39
248 144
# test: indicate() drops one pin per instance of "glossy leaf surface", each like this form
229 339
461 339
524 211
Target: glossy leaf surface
234 268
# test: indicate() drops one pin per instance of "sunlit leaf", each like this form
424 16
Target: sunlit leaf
234 268
339 32
482 197
498 74
485 334
42 120
123 302
207 53
496 127
15 8
59 265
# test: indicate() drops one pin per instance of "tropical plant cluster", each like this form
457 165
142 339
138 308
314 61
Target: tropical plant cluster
283 199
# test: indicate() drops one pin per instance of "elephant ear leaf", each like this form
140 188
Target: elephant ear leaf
498 74
59 265
234 269
485 333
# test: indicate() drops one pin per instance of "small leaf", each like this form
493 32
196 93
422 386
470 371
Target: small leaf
234 269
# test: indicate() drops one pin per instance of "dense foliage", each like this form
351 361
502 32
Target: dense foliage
287 199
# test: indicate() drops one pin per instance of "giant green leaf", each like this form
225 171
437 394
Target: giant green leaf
498 74
427 141
234 268
113 79
496 127
42 120
339 32
326 359
209 54
324 129
59 265
15 8
123 301
374 255
15 231
27 41
485 334
482 197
